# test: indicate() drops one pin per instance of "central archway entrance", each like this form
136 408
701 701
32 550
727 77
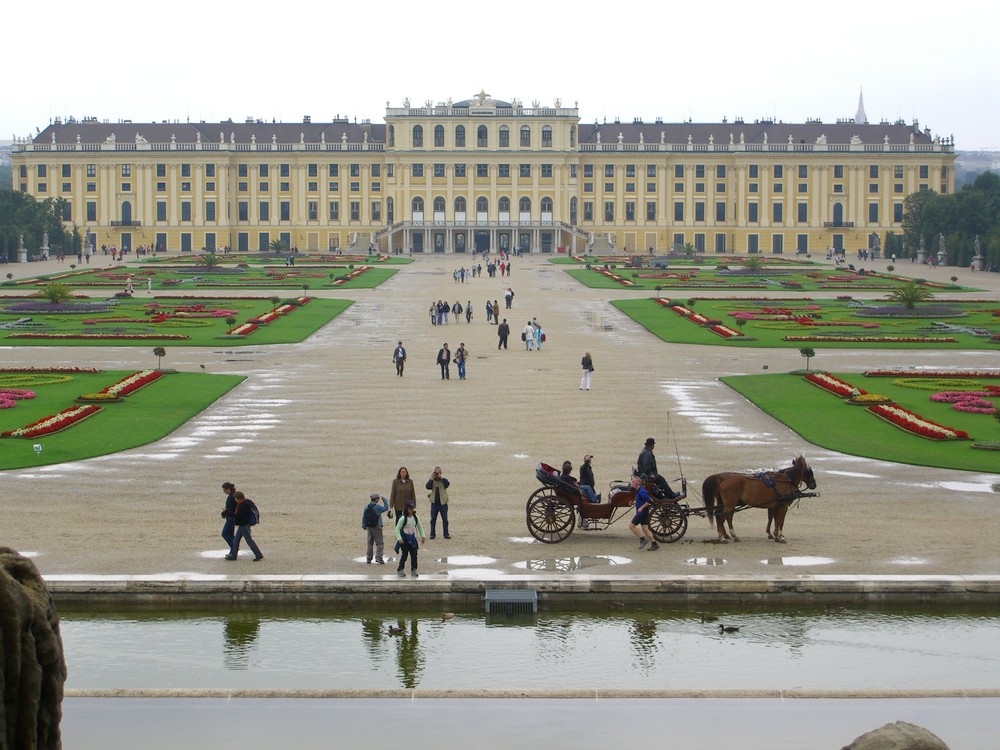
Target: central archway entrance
482 240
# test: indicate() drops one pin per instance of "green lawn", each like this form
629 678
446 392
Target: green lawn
149 414
152 321
830 422
768 330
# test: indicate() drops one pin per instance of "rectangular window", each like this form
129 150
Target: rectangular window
210 170
777 212
312 170
678 171
209 210
264 211
355 187
482 170
161 170
91 187
699 211
720 187
752 187
802 243
126 187
838 171
241 170
803 172
720 243
524 170
284 187
720 211
312 187
609 210
630 170
126 170
185 210
185 187
209 187
924 172
838 188
334 170
262 170
588 187
376 187
873 187
263 187
334 210
720 172
284 211
460 170
418 170
679 211
898 188
588 170
873 171
334 187
185 170
753 243
67 170
67 187
42 187
439 170
588 211
355 170
699 171
753 209
650 170
897 171
91 211
650 187
355 210
503 171
650 210
609 187
283 170
629 210
161 210
546 170
803 215
91 170
778 187
777 244
778 171
609 170
754 172
629 187
873 213
803 187
678 187
243 211
376 211
897 213
375 170
312 210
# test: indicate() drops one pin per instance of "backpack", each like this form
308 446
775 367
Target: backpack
369 519
254 512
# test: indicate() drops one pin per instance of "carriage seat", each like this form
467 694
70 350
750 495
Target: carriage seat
550 477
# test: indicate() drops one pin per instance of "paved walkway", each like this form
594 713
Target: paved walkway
318 426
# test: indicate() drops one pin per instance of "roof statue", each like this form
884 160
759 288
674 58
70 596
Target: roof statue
642 138
110 138
742 137
730 137
343 137
53 136
765 137
620 137
856 140
558 102
253 139
482 97
274 139
886 139
139 139
197 137
302 137
790 139
711 139
821 140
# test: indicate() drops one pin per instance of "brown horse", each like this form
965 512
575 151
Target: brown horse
774 490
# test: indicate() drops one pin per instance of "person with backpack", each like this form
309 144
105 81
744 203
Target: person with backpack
407 529
247 515
371 522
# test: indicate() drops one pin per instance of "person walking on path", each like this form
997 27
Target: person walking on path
539 333
407 528
229 513
456 310
460 357
503 331
444 359
438 495
402 491
588 368
496 312
489 311
445 310
245 518
468 311
640 522
399 358
371 522
528 336
508 297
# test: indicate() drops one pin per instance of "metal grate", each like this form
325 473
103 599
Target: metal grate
511 601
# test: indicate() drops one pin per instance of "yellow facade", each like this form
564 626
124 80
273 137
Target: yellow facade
484 174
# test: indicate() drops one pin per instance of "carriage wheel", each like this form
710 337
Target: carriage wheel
668 522
550 518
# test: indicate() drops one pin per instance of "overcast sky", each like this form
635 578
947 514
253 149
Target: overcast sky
212 61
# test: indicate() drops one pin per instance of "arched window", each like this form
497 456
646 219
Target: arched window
524 205
126 213
418 205
482 205
525 136
439 204
504 205
546 137
546 205
460 205
838 214
418 136
481 137
439 136
460 136
504 136
392 136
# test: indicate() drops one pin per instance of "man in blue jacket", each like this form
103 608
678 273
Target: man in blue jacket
371 522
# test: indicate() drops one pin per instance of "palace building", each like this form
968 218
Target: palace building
483 174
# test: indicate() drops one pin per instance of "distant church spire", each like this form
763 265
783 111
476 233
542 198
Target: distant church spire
861 118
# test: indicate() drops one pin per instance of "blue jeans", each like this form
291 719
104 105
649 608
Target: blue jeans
461 369
442 510
589 493
243 532
229 531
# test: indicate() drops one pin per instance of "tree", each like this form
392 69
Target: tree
278 246
688 248
753 263
159 352
808 352
909 294
56 292
913 217
210 260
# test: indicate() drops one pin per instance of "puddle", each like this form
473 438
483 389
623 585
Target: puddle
474 443
908 561
967 486
858 474
474 573
522 539
707 561
568 564
795 561
467 560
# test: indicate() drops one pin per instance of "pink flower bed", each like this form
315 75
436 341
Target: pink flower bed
972 402
10 396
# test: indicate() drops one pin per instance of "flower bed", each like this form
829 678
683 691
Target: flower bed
726 332
836 386
242 330
133 382
55 423
932 373
876 339
972 402
97 398
915 424
869 399
106 336
10 396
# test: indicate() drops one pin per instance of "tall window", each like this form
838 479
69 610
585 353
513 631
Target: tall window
678 211
650 210
503 205
504 136
418 205
525 136
439 204
777 213
418 136
753 210
460 136
524 205
546 137
609 210
546 205
482 205
439 136
460 205
482 136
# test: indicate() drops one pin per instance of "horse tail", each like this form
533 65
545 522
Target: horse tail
709 493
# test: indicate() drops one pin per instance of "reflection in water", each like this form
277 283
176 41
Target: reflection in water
411 659
798 560
569 564
240 634
709 561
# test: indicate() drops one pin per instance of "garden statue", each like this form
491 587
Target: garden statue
942 251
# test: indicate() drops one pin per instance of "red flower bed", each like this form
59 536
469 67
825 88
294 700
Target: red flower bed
915 424
932 373
875 339
834 385
132 383
55 423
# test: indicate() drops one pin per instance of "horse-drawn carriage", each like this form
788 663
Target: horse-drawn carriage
552 509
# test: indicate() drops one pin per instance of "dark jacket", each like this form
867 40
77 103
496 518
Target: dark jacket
230 510
586 474
444 356
244 512
647 463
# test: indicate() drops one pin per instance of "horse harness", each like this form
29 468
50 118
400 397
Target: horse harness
767 477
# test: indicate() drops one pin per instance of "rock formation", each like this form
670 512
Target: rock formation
900 735
32 665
